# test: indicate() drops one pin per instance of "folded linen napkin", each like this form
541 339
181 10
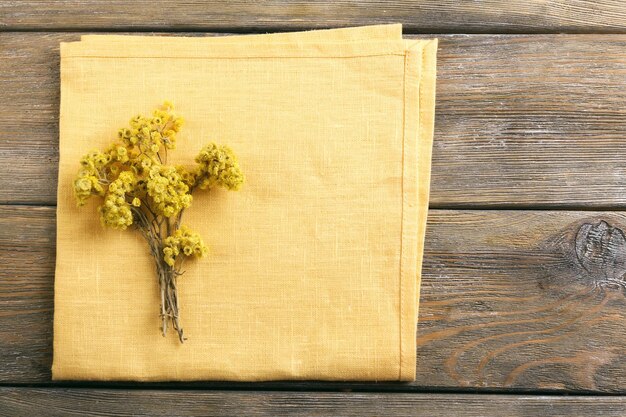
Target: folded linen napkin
314 266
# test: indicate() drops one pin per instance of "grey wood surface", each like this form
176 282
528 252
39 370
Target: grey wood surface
526 301
424 16
27 402
521 121
511 300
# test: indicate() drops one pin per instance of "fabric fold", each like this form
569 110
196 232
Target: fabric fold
314 266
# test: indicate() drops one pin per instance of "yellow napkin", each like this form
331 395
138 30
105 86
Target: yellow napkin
314 266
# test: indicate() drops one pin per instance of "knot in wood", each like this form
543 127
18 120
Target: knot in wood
601 251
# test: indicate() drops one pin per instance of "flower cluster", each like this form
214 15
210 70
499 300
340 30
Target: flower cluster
167 190
91 176
183 242
149 134
117 153
189 177
217 165
116 211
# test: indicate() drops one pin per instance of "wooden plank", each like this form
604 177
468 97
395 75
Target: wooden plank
512 300
27 402
521 120
27 256
426 16
29 138
520 299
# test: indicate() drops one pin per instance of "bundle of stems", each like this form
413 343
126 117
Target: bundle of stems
155 229
138 188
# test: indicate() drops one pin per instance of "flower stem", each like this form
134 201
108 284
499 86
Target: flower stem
169 300
166 274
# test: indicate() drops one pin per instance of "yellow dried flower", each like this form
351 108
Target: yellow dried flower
116 212
217 165
187 176
183 242
167 190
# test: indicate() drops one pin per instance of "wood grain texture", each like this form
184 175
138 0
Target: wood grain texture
27 256
16 402
524 299
426 16
521 121
511 300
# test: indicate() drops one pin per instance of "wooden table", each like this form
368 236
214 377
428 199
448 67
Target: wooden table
522 309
